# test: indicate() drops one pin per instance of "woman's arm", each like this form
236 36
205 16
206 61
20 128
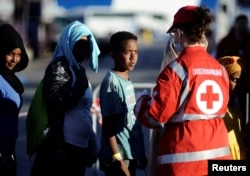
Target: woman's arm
60 91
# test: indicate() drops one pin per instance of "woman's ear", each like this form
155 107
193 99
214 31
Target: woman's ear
178 33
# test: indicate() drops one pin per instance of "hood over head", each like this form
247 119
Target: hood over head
10 39
70 35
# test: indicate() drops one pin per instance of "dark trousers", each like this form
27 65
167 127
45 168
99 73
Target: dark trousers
8 165
113 168
76 160
64 161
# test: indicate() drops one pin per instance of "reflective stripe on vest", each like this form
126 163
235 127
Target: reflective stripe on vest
180 116
182 74
193 156
152 121
148 117
186 117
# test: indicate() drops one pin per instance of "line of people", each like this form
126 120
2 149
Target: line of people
193 108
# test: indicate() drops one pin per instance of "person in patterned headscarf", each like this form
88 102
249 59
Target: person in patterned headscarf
13 58
234 66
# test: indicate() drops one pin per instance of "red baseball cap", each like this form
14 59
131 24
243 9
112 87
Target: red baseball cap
183 15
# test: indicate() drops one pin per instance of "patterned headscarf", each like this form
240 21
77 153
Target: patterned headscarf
232 64
70 35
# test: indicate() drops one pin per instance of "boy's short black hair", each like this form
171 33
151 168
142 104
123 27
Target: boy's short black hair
117 38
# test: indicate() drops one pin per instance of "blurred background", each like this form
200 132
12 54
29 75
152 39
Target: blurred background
40 22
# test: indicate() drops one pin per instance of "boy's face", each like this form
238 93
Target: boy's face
126 58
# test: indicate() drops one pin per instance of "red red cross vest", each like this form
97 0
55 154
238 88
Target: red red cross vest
189 100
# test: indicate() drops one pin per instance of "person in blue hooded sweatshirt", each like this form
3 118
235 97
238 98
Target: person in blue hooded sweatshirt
72 144
13 58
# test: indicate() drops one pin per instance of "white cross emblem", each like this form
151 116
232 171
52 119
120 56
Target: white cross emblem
209 97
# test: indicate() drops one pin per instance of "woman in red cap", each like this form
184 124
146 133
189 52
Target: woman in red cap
190 100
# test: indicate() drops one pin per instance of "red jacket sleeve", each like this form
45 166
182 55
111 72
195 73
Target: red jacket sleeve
154 112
